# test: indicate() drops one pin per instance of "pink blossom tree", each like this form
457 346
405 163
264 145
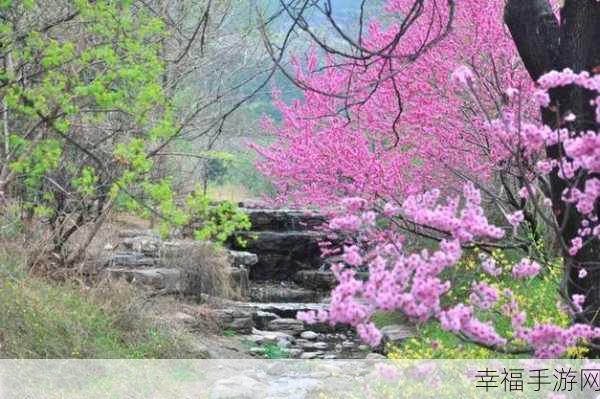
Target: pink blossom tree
392 136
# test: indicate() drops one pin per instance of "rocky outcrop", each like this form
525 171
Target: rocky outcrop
282 292
315 279
286 241
279 273
166 281
283 219
175 266
281 254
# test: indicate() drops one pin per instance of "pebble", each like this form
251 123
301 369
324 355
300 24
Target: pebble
347 344
295 352
309 335
320 345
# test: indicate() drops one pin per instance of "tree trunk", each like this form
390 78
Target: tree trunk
544 44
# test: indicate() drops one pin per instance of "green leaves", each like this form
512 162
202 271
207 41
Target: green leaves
86 182
86 107
219 221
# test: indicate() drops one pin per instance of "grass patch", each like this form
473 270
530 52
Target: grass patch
273 351
45 319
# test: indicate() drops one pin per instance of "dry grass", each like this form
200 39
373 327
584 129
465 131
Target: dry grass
204 266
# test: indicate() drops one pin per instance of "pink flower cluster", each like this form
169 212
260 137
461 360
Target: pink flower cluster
483 296
526 268
410 282
460 319
463 225
488 264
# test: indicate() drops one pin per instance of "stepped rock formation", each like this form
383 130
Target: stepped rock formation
277 274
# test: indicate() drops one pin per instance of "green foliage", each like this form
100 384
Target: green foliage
273 351
219 221
83 130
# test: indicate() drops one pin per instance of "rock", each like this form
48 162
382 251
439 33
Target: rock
147 245
363 347
283 219
165 280
236 320
315 279
242 258
288 326
256 339
330 357
321 345
309 335
283 343
262 319
137 233
197 350
271 337
315 345
279 293
184 318
294 352
281 254
241 325
347 344
132 259
285 310
306 345
396 333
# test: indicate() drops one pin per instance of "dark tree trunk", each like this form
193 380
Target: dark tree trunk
546 44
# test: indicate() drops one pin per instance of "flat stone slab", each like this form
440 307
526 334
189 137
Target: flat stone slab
167 280
278 293
315 279
283 219
287 326
310 335
132 259
285 310
271 337
397 332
